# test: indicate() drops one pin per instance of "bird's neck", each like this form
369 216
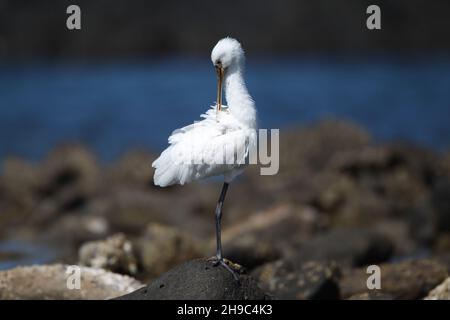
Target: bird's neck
239 101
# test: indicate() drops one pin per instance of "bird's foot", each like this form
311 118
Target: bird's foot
220 261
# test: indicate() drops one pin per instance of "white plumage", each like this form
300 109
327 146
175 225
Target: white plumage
220 143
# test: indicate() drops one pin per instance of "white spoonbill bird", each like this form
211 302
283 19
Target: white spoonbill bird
221 143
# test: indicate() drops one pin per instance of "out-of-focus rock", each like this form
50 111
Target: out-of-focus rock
114 253
200 280
70 166
267 235
375 295
75 229
131 207
397 171
163 247
305 155
443 258
70 177
405 280
251 250
421 221
397 232
442 245
133 168
347 203
430 217
445 164
314 146
440 198
54 282
311 280
18 182
375 183
18 198
441 292
368 160
351 247
71 163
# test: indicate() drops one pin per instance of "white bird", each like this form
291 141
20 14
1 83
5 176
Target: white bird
221 143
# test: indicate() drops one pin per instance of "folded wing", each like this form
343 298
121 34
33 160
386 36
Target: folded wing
217 145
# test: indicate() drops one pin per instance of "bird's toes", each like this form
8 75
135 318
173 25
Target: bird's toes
215 261
220 261
235 274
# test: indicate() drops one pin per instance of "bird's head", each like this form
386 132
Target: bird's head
226 54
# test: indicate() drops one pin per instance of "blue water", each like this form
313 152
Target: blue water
113 107
27 253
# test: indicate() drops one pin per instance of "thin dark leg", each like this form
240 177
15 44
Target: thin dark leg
218 232
218 220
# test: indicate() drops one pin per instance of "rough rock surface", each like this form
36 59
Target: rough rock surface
441 292
114 253
199 280
312 280
51 282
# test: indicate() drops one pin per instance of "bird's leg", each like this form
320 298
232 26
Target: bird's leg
219 220
218 232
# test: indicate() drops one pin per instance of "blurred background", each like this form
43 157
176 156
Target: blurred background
364 119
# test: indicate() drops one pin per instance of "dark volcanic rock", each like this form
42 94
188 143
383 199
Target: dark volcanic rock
405 280
353 247
200 280
311 281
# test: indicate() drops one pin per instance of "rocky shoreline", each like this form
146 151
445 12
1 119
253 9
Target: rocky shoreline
340 203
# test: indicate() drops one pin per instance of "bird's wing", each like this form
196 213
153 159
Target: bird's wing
216 145
211 118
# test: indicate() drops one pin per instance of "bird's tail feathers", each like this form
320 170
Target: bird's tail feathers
164 170
167 172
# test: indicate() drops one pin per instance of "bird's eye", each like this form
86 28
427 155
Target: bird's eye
218 62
